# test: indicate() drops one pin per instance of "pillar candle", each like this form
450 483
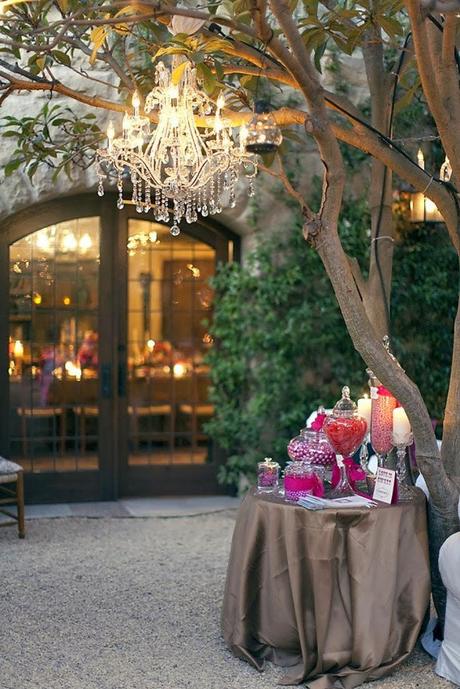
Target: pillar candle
364 410
401 427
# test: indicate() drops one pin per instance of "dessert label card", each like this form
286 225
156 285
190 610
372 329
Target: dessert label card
385 488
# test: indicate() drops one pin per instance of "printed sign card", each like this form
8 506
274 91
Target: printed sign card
386 487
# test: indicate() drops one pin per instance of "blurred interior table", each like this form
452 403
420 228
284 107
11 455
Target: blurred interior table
337 597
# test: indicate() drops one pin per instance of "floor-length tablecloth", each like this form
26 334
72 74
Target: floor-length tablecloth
335 596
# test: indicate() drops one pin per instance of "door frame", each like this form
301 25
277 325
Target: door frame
114 478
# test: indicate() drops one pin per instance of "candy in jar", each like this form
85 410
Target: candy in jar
267 475
345 430
301 480
312 446
383 404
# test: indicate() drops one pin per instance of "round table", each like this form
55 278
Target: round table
336 596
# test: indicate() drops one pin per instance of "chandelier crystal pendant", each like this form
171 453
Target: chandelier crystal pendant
177 170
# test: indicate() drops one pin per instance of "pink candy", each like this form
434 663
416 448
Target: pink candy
314 449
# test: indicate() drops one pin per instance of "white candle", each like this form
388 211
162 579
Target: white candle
401 427
364 410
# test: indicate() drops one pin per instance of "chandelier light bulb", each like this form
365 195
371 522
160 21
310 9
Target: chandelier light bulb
136 102
420 159
176 169
173 92
445 172
110 131
263 134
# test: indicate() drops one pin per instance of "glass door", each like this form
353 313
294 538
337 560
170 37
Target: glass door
60 360
169 303
104 324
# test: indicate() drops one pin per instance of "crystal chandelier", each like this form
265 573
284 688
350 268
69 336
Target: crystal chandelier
176 170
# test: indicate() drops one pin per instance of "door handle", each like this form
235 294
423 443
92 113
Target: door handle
106 381
122 379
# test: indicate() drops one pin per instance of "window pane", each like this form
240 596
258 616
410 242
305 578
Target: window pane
169 297
53 347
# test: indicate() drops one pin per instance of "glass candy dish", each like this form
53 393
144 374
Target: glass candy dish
313 447
267 475
345 430
300 480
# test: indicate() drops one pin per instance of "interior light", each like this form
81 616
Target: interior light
85 242
69 242
179 370
43 241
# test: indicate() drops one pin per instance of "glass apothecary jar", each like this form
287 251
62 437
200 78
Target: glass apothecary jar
268 473
300 479
345 430
313 447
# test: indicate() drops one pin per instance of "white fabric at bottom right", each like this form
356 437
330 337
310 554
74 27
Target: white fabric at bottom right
448 663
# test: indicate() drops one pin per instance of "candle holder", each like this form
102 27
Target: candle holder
404 491
267 476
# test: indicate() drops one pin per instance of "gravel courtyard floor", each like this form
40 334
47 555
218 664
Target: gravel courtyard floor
129 603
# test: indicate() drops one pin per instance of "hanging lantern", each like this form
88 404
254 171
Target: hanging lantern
262 134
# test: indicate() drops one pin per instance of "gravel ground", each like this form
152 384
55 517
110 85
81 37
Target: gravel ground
129 604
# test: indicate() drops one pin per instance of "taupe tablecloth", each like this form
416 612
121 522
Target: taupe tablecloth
335 596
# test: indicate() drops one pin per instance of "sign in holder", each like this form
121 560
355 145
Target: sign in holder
386 486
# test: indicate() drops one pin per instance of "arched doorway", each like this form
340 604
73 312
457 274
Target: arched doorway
105 323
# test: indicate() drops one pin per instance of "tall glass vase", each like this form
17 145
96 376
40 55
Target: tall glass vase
383 404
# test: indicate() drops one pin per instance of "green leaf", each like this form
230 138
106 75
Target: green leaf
208 78
319 52
11 166
62 58
390 25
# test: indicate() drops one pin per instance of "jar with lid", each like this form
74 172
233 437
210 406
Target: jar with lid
345 430
301 480
267 475
313 447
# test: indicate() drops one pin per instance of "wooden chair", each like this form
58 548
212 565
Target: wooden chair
10 472
198 409
34 413
136 412
84 413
